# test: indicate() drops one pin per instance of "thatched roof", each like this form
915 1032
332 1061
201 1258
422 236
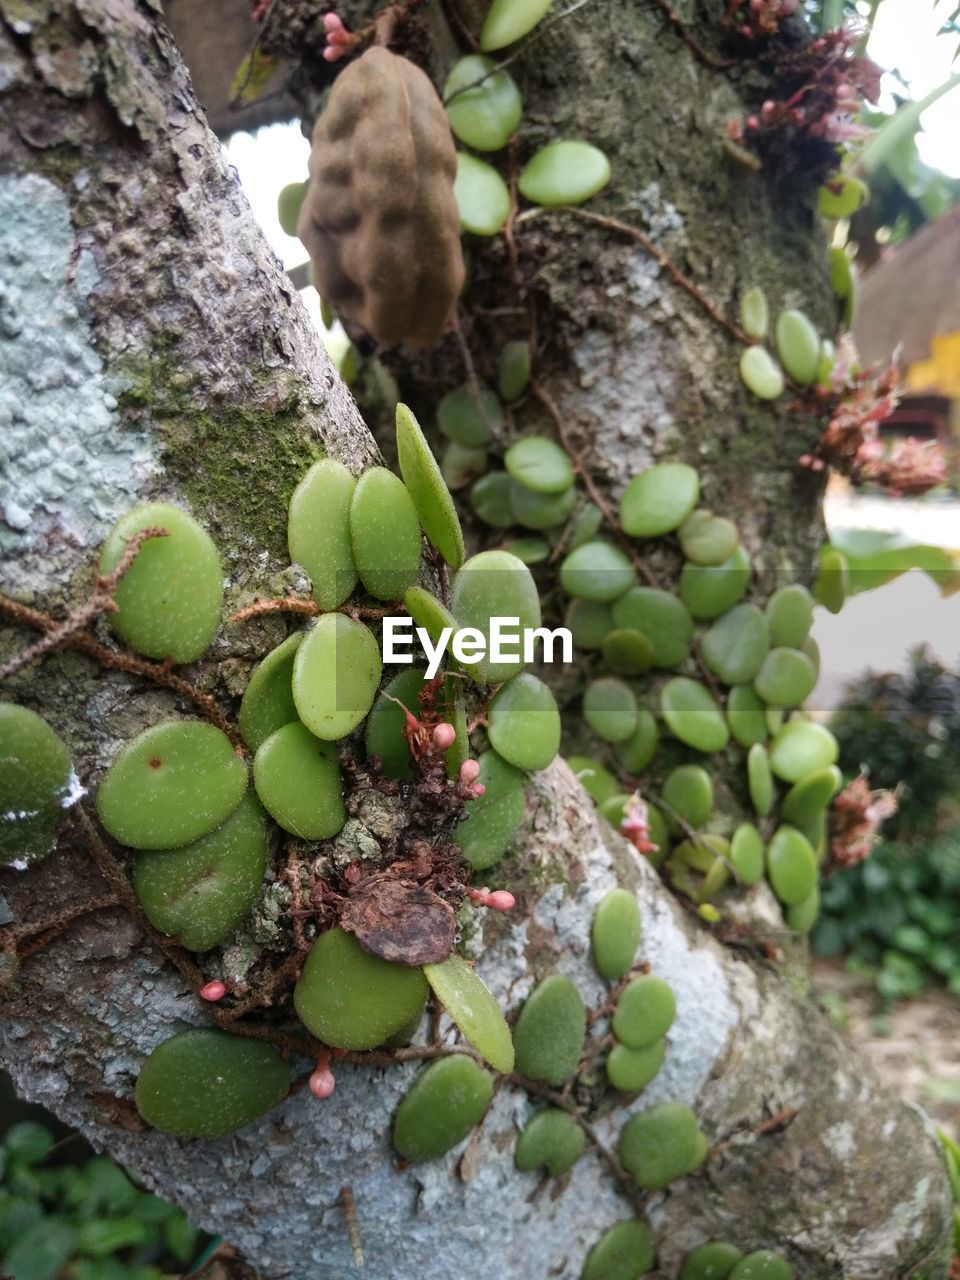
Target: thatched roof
913 295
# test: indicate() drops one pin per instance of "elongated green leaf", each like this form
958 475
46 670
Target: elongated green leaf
874 557
469 1003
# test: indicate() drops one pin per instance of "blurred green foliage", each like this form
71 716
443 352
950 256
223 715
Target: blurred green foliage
897 915
82 1221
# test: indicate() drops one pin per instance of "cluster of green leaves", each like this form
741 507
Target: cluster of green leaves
625 1252
804 356
897 915
88 1222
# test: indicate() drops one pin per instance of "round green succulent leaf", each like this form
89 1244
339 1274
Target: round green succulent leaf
615 933
762 1265
645 1011
513 369
530 550
761 374
297 778
841 196
735 647
443 1104
636 752
385 533
688 792
483 104
566 172
746 715
476 1013
353 1000
659 1145
790 615
288 206
760 779
746 853
200 893
491 497
541 510
426 486
808 798
693 715
627 652
706 538
662 618
785 678
484 834
798 346
470 416
801 747
460 465
597 781
709 590
802 916
35 777
267 703
712 1261
791 865
597 571
509 20
383 731
204 1083
659 499
610 709
318 531
589 622
169 600
552 1140
539 464
495 584
754 313
833 580
482 196
549 1034
524 723
623 1252
428 612
336 673
171 785
631 1070
585 526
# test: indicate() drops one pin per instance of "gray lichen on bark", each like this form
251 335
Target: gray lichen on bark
219 375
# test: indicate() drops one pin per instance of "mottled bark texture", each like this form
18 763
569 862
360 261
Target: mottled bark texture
151 346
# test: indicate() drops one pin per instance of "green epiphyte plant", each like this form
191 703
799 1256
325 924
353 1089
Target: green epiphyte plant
737 644
761 374
425 484
693 715
353 1000
35 776
385 531
267 703
538 511
552 1140
806 800
801 747
444 1103
746 716
791 865
549 1034
460 465
712 1261
494 584
709 590
524 723
616 934
469 417
785 678
659 499
798 346
760 779
469 1003
662 618
318 531
597 570
428 612
841 196
383 731
754 313
513 369
539 464
645 1011
171 785
661 1144
491 497
747 854
336 673
762 1265
206 1084
288 206
627 652
485 833
687 794
789 613
200 893
510 20
623 1252
297 778
631 1070
567 172
610 709
706 538
482 196
169 599
483 104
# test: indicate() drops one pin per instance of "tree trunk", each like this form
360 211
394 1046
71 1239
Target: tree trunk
153 347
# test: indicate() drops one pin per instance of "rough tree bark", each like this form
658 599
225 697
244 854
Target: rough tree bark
151 346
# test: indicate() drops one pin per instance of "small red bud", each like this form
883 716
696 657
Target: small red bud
444 736
469 771
322 1083
501 900
479 790
213 991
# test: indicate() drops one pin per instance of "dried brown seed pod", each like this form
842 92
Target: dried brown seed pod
380 219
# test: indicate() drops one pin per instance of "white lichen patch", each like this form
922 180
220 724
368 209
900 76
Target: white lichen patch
68 466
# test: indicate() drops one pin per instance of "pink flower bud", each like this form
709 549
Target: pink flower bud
469 771
332 54
322 1083
501 900
332 22
444 736
213 991
479 790
753 122
768 108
